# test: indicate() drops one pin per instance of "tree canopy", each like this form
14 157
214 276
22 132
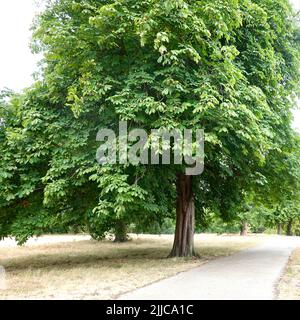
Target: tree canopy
228 67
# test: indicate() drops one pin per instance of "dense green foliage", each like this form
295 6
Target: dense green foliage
230 67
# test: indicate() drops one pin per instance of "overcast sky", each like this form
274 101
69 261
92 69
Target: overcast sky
17 64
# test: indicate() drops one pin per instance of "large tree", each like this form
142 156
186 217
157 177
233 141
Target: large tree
228 67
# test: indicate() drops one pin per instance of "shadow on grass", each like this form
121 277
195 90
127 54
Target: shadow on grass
92 257
98 254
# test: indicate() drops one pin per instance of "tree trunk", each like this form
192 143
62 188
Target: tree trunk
289 231
279 229
185 219
244 229
120 231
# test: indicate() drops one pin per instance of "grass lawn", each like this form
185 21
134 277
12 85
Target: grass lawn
289 286
102 270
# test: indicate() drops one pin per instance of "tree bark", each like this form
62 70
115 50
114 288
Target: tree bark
279 229
185 219
120 231
244 229
289 231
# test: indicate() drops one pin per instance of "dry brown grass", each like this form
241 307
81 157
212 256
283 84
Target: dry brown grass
289 286
102 270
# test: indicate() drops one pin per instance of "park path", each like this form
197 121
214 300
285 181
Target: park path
248 275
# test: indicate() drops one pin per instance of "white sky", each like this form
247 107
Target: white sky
17 63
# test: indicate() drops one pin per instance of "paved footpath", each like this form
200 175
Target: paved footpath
248 275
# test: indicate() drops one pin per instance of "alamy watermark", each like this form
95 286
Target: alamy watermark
159 146
2 278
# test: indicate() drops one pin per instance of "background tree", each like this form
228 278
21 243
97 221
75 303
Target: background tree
283 187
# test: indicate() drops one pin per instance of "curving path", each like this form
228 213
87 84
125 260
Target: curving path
251 274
